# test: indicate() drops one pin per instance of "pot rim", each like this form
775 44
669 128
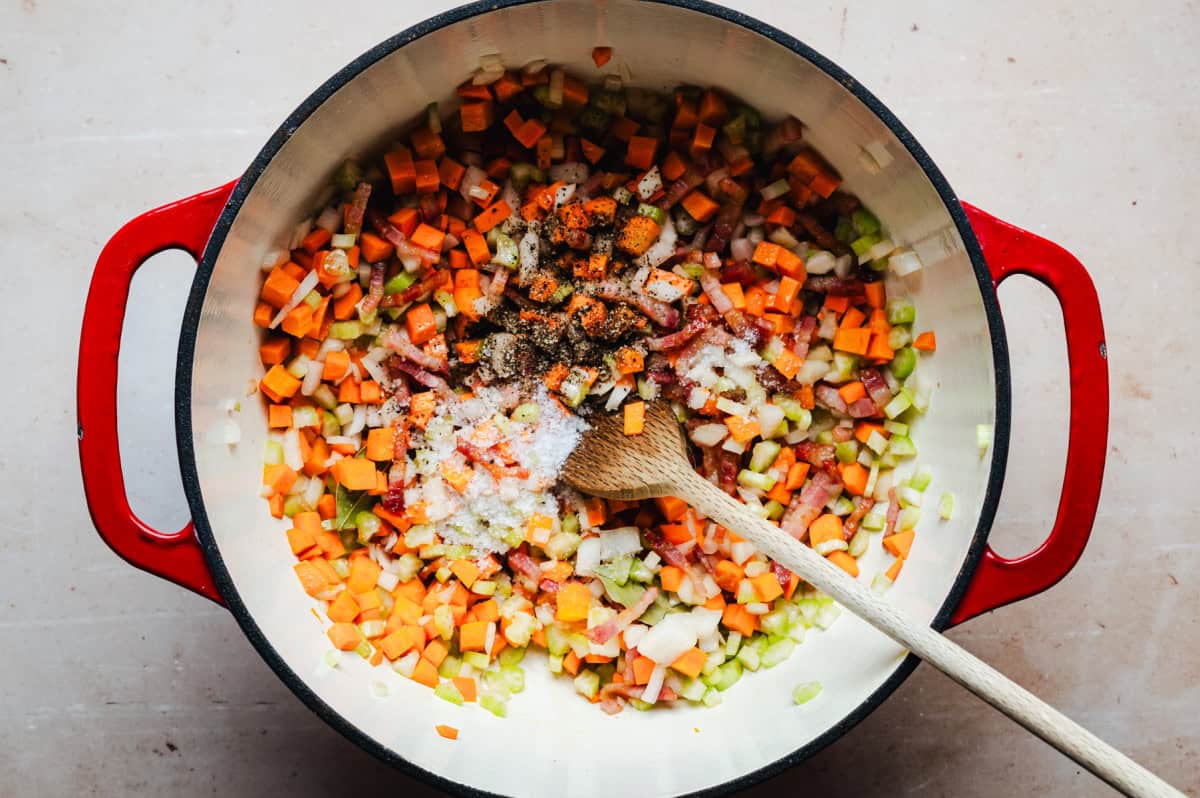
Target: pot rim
191 321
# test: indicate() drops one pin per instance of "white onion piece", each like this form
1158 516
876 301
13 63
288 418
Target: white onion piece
471 179
330 219
661 250
587 556
904 262
615 543
273 258
654 684
784 238
300 231
312 378
844 266
569 172
650 183
358 422
291 450
669 638
820 263
709 434
330 345
741 249
880 250
564 194
307 284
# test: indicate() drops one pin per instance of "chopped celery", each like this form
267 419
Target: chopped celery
514 678
901 446
712 697
273 453
904 363
983 437
555 663
728 674
653 212
292 505
876 442
448 691
775 622
443 621
858 543
750 479
909 496
562 545
693 689
494 705
506 252
900 311
899 336
527 412
874 522
748 657
713 662
843 506
511 656
777 652
764 455
909 517
746 593
570 523
805 692
348 175
862 245
556 640
946 506
847 452
865 222
449 667
345 330
587 683
774 509
484 587
899 403
895 427
921 479
476 659
368 525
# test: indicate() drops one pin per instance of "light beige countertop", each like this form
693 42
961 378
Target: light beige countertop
1079 123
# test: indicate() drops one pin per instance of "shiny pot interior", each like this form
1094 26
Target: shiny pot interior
552 742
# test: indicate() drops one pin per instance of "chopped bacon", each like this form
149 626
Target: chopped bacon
711 336
432 280
524 564
423 377
618 623
782 574
374 292
404 247
834 285
862 506
711 284
805 508
842 434
396 339
893 513
499 281
804 335
876 386
610 695
827 396
393 500
863 408
358 209
661 313
549 586
675 339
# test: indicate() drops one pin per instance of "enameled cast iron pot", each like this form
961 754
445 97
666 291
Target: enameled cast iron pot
551 743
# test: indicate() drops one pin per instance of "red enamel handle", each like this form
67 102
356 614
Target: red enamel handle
186 225
1010 250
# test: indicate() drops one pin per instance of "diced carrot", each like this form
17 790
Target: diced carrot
640 151
671 577
399 165
893 571
635 418
345 636
876 296
427 178
854 341
348 392
279 478
767 587
700 206
863 430
623 128
343 306
354 473
825 528
380 444
337 363
671 507
426 673
593 152
637 235
571 663
420 323
316 238
741 430
675 533
596 511
782 216
278 288
851 392
530 132
298 321
780 493
879 349
279 416
766 253
712 109
466 685
926 342
642 668
278 384
601 55
854 477
853 318
573 600
427 144
788 363
844 561
274 350
728 575
428 237
629 360
900 543
838 304
343 609
690 662
702 140
737 618
275 504
300 541
492 215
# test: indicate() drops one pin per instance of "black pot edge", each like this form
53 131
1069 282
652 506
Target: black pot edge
191 320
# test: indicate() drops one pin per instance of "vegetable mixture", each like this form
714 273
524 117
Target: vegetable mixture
439 333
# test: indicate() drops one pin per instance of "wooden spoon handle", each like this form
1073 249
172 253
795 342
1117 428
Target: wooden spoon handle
977 676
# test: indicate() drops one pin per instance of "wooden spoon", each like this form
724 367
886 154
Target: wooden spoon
609 464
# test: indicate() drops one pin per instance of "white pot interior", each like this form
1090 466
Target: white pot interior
553 743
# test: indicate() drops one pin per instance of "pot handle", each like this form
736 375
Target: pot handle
1010 250
185 224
